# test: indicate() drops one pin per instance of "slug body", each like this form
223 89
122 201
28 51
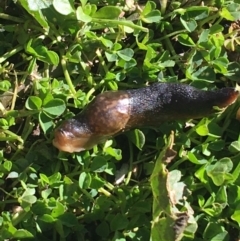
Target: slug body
113 112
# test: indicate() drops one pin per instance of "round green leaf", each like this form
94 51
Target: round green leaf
126 54
197 12
37 5
84 180
149 7
184 39
54 107
58 210
137 138
64 7
103 229
216 28
33 103
82 16
22 233
234 147
152 17
5 85
45 121
68 219
47 218
29 199
99 164
107 12
190 25
97 183
219 172
12 175
130 64
236 214
202 130
119 222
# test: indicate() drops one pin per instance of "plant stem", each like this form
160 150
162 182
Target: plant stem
163 4
67 76
120 22
11 53
102 61
8 17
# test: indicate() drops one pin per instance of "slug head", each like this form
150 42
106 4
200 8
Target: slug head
74 136
105 116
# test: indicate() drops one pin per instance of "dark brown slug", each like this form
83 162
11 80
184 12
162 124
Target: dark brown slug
112 112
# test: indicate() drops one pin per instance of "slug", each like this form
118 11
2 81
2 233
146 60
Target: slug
113 112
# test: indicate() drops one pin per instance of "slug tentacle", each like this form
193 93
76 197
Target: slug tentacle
113 112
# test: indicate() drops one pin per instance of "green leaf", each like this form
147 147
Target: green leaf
85 180
22 233
126 54
110 76
203 36
36 5
193 158
215 232
162 224
214 130
81 16
219 172
184 39
197 12
202 130
226 14
45 193
234 10
108 43
7 165
38 50
205 73
97 183
119 222
5 85
55 178
33 103
12 175
116 153
32 7
166 64
130 64
64 6
190 25
107 12
175 186
234 147
58 210
99 164
69 219
221 65
148 8
29 199
44 178
137 138
216 28
54 107
236 214
103 229
45 122
47 218
152 17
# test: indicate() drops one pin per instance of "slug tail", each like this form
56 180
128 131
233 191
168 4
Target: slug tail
227 96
